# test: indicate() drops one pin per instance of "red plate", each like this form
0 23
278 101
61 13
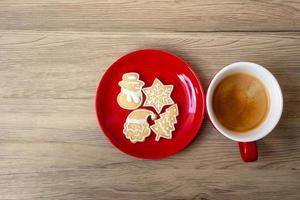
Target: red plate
187 93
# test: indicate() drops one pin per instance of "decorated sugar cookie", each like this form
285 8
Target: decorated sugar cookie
164 126
131 96
158 95
136 127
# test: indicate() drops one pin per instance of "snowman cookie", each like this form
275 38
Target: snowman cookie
136 127
131 96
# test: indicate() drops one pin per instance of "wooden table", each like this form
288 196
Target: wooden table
52 55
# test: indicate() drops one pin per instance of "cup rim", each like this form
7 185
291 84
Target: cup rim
227 133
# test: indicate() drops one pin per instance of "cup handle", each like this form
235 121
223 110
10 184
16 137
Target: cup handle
248 151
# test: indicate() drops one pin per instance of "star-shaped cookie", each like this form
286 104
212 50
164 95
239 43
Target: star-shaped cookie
158 95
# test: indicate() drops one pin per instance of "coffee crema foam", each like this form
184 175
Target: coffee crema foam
240 102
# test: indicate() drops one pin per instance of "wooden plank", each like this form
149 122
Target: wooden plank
51 147
135 16
140 183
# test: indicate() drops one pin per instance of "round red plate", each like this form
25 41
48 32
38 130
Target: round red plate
187 93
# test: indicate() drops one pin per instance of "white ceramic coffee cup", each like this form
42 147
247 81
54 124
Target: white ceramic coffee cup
275 106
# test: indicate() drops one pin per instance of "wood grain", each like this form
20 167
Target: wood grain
51 147
149 15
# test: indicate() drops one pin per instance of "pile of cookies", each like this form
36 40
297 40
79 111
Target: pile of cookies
158 95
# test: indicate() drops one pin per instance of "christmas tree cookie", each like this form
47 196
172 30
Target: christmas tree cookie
164 126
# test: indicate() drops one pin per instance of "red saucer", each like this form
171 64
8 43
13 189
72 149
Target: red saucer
187 93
